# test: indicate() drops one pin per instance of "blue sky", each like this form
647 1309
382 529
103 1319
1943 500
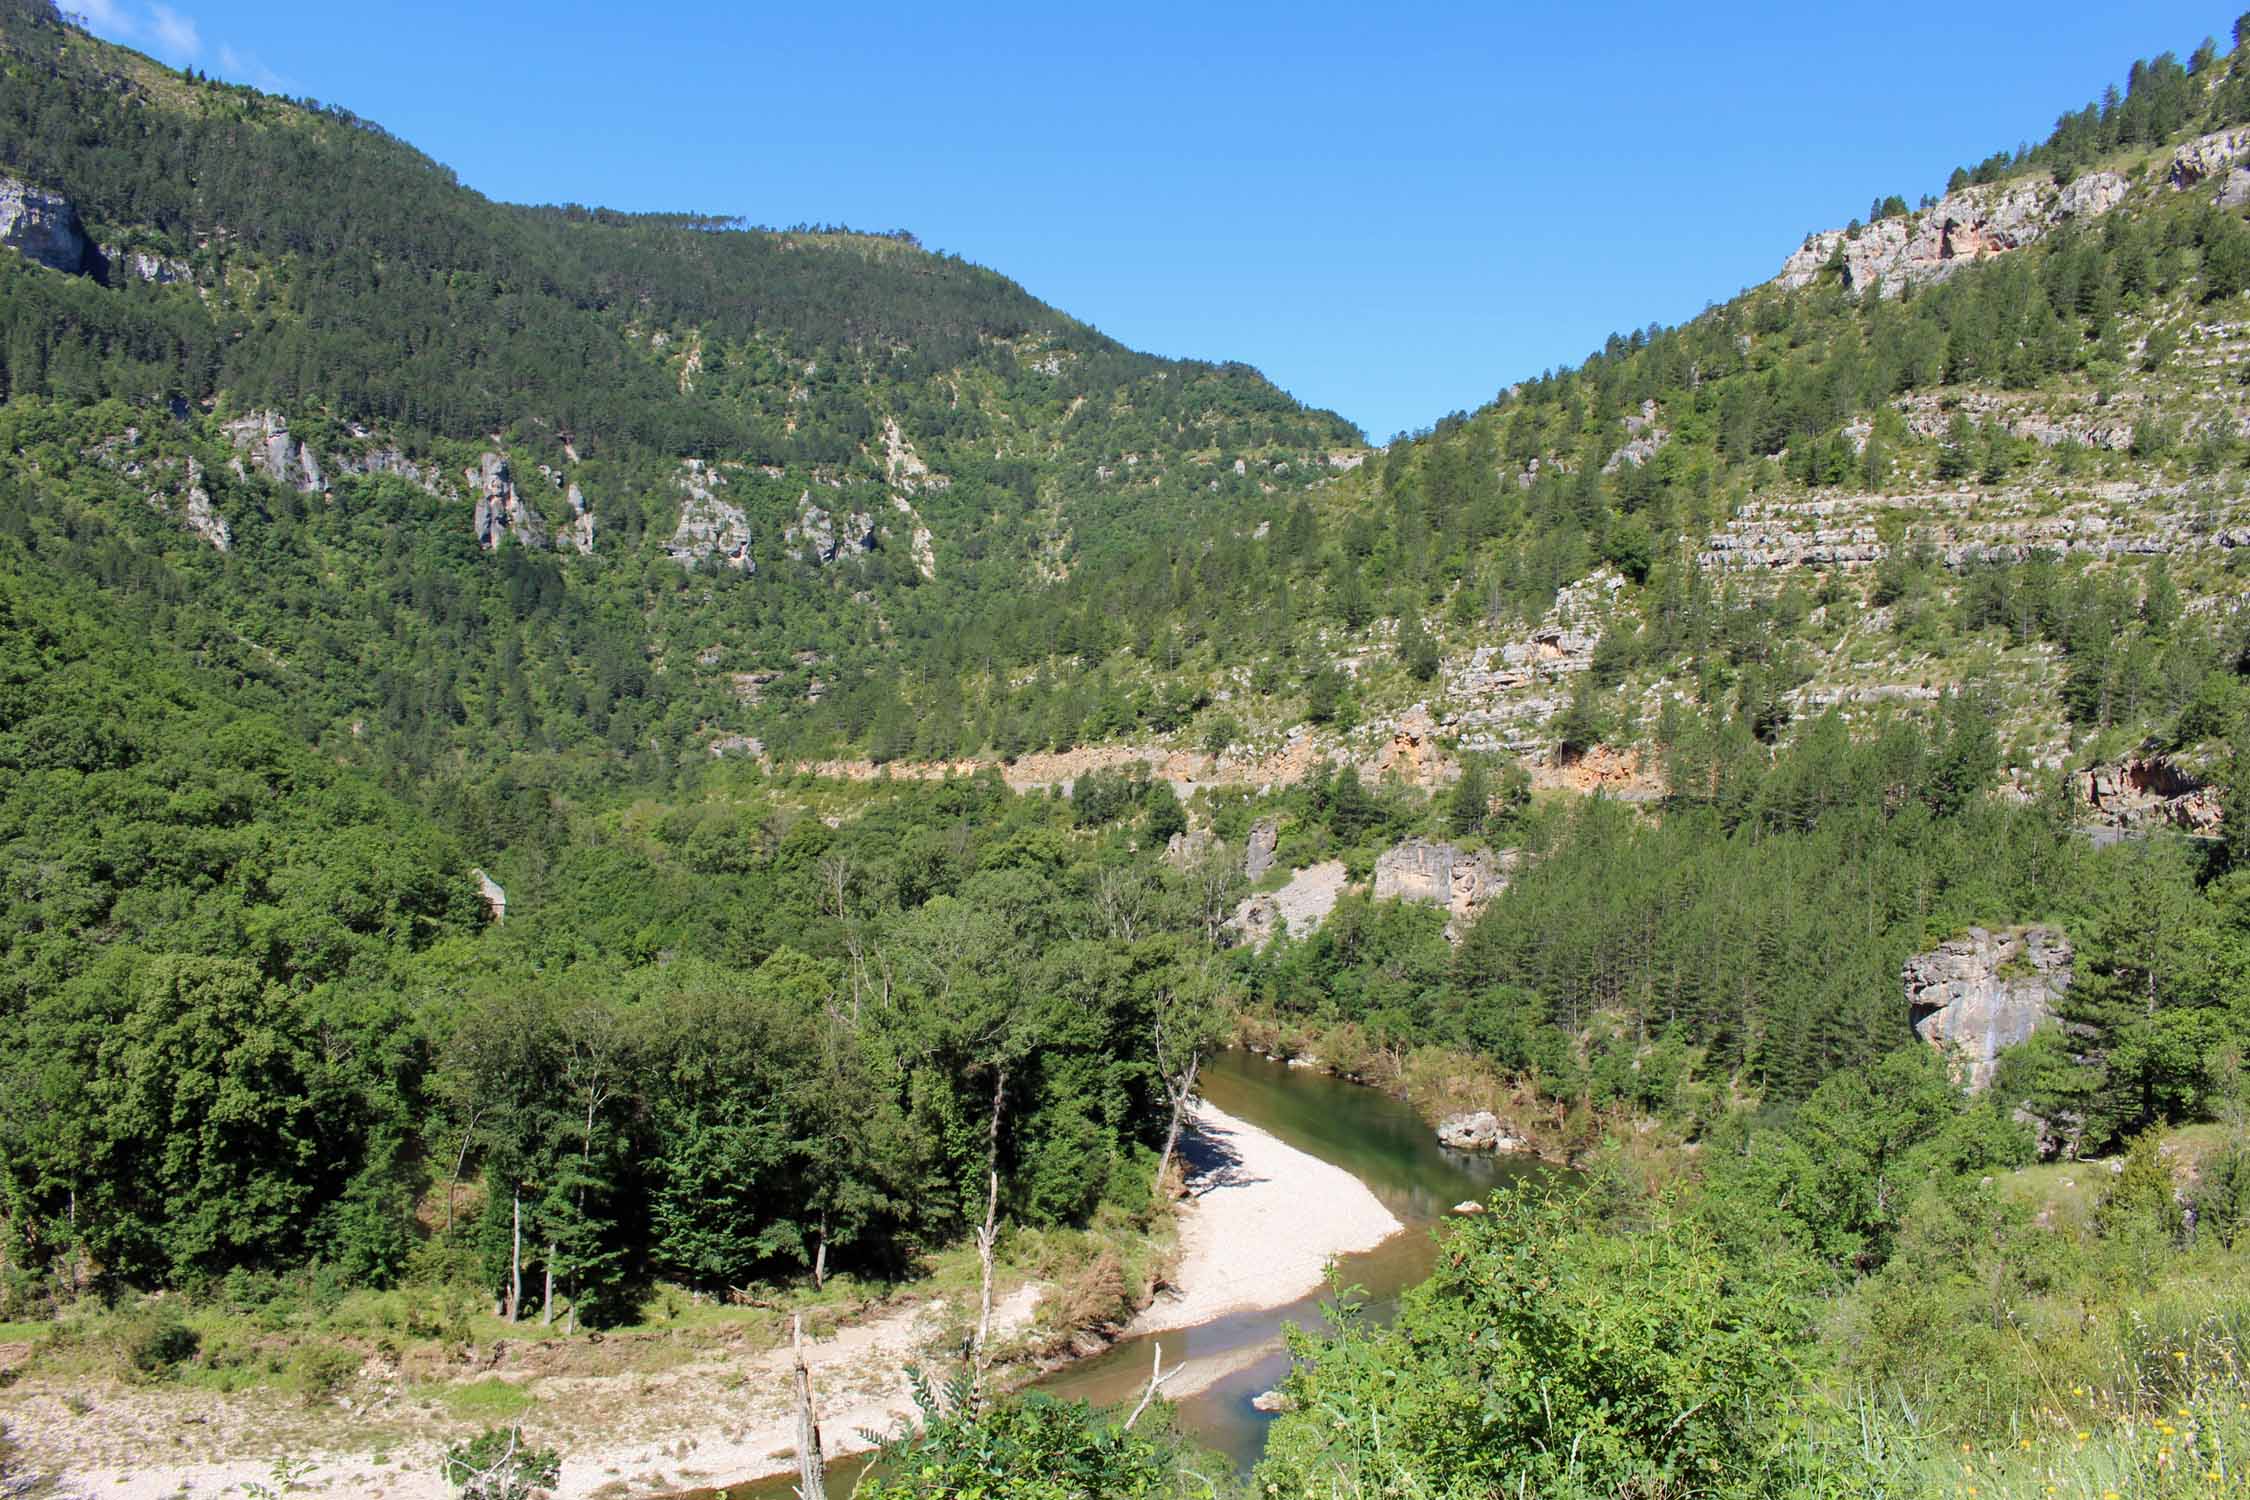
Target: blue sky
1392 210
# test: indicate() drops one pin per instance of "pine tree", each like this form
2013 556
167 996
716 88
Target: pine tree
1472 800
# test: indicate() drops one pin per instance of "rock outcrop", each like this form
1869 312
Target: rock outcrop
391 461
1440 875
2155 792
2208 156
1189 845
1970 225
822 536
44 227
502 513
919 542
1481 1131
1644 439
495 899
710 525
264 440
200 516
1985 991
581 531
141 265
1265 837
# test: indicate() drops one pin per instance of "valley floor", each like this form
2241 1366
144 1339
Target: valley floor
1262 1222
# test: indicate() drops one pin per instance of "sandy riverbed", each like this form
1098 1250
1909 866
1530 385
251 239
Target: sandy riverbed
1262 1223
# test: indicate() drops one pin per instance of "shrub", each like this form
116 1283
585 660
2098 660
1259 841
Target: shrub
319 1371
155 1346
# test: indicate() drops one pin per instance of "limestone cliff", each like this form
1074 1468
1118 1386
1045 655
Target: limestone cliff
44 227
1970 225
1985 991
710 525
262 440
1442 875
502 513
822 536
2149 792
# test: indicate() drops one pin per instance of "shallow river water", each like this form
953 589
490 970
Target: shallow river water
1376 1138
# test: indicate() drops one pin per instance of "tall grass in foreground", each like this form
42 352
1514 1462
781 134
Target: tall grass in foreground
2172 1418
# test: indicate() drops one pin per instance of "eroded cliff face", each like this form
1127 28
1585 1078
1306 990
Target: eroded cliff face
820 535
502 513
1444 875
1970 225
44 227
710 524
263 444
2150 792
1985 991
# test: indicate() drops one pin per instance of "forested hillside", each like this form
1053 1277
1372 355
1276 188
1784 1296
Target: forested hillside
634 775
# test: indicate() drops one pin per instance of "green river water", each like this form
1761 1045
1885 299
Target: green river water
1379 1140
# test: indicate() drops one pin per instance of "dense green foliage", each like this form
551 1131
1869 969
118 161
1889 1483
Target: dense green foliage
253 1011
741 1028
1032 1448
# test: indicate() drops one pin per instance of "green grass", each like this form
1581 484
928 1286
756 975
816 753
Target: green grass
489 1400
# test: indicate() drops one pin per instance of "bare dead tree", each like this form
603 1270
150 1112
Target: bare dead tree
987 1239
1157 1375
1121 902
1214 881
812 1469
1179 1085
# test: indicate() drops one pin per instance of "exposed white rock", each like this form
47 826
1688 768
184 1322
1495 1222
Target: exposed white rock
710 525
141 265
2092 195
900 461
382 460
1480 1131
2208 156
581 519
1304 903
1441 875
1970 225
2149 792
502 513
737 744
1986 991
1644 439
822 536
200 516
264 438
1265 836
495 899
920 543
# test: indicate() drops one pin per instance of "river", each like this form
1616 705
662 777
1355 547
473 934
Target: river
1376 1138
